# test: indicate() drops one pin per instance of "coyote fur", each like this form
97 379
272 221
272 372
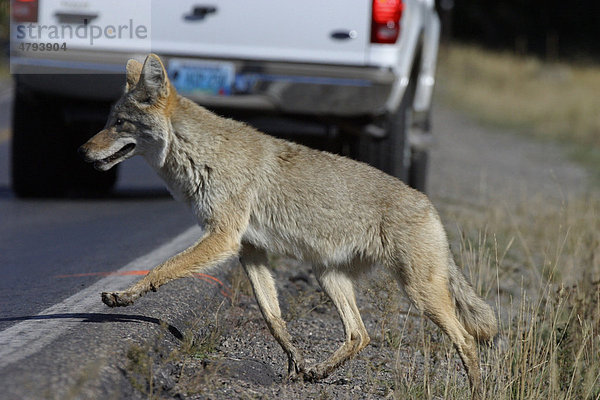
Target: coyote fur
254 194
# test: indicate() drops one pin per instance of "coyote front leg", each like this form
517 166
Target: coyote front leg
212 249
255 263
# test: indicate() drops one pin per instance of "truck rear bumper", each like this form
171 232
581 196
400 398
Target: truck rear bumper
310 89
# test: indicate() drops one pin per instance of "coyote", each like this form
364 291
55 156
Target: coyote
254 194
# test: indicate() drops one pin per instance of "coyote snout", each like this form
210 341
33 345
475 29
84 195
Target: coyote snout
107 149
255 194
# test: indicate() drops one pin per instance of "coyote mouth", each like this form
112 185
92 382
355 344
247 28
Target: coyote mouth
125 150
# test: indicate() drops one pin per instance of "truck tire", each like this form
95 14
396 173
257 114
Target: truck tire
419 166
387 153
391 153
38 157
44 151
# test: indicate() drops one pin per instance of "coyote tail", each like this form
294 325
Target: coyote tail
475 314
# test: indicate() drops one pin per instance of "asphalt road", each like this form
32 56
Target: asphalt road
40 241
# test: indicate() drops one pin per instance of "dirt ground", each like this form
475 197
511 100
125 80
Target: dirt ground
231 354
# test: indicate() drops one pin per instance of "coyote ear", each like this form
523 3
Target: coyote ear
154 78
134 70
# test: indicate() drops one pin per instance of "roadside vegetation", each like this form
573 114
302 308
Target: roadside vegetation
551 100
538 263
538 259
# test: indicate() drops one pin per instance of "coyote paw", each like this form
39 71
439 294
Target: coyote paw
117 299
295 370
295 376
315 374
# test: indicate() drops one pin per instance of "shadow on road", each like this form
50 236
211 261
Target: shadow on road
100 318
121 194
124 194
6 192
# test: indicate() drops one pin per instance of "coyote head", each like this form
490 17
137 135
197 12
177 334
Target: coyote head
139 122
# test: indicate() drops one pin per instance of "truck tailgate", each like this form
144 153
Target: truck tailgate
314 31
264 29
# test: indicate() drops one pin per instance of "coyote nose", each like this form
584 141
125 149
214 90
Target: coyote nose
81 151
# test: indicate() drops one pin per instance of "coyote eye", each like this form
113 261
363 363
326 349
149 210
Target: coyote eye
118 122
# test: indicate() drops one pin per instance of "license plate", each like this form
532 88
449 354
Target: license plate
193 77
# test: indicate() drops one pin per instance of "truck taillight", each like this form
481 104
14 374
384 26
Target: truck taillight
25 10
385 24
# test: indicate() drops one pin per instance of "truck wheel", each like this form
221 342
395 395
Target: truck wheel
38 153
417 175
388 153
392 153
44 151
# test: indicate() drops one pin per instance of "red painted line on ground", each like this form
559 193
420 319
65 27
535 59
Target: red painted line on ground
123 273
214 281
205 277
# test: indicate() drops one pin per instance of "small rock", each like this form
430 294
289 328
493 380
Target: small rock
300 277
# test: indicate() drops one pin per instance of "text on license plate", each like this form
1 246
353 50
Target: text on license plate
201 77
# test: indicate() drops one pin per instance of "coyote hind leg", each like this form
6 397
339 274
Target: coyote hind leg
255 263
433 298
339 288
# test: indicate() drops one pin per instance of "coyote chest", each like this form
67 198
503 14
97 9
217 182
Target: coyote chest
295 241
270 239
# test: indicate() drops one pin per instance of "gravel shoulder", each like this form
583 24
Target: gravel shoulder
473 164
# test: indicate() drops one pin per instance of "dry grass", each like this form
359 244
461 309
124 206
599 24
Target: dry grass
156 369
239 283
541 265
537 262
549 100
540 262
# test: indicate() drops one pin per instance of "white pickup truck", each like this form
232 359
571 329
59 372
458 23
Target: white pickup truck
358 72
